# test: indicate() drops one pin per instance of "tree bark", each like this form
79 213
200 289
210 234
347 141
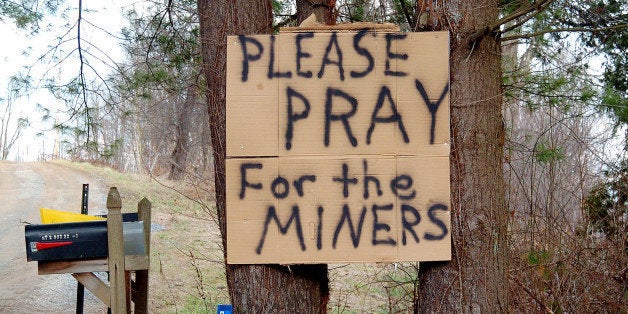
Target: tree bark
321 8
179 156
252 288
476 278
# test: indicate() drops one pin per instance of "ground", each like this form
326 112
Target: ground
24 188
187 271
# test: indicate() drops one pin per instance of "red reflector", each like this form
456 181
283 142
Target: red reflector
50 245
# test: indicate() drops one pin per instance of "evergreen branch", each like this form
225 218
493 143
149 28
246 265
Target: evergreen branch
518 24
536 7
563 30
494 27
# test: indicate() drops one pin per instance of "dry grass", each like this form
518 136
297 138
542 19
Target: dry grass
187 272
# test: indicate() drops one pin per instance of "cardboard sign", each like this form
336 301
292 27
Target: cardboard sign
338 148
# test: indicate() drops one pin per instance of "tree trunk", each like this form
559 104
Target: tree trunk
321 8
179 156
252 288
476 278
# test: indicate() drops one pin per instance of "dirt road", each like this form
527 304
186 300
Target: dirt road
24 188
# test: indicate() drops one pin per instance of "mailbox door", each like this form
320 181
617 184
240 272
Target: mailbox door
66 241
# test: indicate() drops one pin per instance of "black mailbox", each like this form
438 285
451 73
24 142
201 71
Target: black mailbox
66 241
80 240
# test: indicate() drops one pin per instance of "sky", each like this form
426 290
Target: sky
20 50
106 15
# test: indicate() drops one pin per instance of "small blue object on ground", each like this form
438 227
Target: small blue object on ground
224 309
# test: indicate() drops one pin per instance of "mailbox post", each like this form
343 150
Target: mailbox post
80 289
141 276
117 280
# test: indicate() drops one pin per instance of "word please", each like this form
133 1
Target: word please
253 49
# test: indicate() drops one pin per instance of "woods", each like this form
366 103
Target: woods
537 158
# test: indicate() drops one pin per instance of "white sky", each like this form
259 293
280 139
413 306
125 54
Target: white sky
106 14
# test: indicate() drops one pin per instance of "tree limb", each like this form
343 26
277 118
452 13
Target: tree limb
82 62
522 12
538 6
562 30
406 12
530 293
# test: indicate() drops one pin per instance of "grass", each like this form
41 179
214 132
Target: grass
187 271
187 274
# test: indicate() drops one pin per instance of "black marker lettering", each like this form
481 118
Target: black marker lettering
392 55
402 182
363 52
344 117
346 216
432 107
345 180
292 116
301 54
431 213
407 224
381 226
394 117
333 41
271 63
243 182
298 184
272 215
249 57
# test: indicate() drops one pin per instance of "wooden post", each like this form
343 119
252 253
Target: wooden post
141 276
116 252
95 285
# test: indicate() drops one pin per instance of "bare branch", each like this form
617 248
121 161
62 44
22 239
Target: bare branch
82 62
531 294
406 13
